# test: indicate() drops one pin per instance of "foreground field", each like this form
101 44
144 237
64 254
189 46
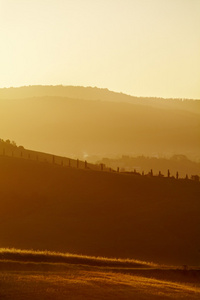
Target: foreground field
44 275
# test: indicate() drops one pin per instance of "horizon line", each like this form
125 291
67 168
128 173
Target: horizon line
95 87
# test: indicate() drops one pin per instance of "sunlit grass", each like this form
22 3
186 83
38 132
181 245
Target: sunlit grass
57 257
81 284
53 275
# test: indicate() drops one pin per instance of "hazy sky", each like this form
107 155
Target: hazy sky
139 47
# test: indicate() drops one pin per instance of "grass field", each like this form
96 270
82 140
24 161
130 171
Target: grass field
46 275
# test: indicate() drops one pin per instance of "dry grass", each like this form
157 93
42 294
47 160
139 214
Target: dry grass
81 284
57 257
49 275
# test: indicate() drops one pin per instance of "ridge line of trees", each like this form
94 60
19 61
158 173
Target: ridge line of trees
20 151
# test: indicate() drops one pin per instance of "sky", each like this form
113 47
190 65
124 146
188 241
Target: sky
138 47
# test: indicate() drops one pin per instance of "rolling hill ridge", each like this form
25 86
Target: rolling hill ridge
103 127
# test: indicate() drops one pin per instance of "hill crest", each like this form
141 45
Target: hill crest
94 93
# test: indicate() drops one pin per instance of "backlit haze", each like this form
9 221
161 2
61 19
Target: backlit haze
138 47
100 149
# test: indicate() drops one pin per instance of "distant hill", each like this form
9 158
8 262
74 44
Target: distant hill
177 163
116 124
47 206
94 93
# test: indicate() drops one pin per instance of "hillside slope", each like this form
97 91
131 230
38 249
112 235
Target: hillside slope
46 206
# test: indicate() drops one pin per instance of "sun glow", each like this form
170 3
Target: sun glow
143 48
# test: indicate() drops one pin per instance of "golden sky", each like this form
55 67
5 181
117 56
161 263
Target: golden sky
139 47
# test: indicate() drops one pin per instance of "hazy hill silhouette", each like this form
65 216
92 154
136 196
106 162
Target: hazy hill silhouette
180 163
77 127
46 206
94 93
